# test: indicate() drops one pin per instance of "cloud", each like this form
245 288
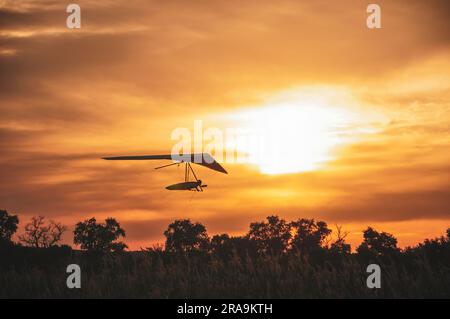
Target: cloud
138 69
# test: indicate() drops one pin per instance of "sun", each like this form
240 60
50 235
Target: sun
298 131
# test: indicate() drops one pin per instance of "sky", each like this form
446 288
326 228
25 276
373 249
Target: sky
355 121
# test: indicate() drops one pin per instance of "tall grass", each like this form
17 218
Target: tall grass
34 273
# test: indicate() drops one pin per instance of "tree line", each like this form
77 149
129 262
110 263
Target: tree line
38 233
274 236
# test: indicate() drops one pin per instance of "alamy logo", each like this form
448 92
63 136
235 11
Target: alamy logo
74 19
374 279
374 19
74 279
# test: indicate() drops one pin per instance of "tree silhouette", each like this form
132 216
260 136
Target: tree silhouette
39 235
272 236
377 244
339 245
8 226
185 236
99 237
436 250
309 235
218 241
226 246
221 245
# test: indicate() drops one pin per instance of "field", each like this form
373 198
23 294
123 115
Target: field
41 273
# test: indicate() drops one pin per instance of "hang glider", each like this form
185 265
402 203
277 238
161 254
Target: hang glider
203 159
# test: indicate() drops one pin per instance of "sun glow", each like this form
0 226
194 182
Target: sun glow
298 131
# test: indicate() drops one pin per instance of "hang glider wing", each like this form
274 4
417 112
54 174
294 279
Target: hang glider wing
203 159
139 158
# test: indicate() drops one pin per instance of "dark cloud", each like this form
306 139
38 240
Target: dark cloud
336 43
391 207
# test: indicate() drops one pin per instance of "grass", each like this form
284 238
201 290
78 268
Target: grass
41 273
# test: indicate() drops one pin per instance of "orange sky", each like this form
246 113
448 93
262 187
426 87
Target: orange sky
376 152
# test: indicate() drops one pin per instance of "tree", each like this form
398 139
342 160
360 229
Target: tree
226 247
221 245
185 236
377 244
272 236
8 226
339 245
219 241
99 237
309 235
38 234
436 250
